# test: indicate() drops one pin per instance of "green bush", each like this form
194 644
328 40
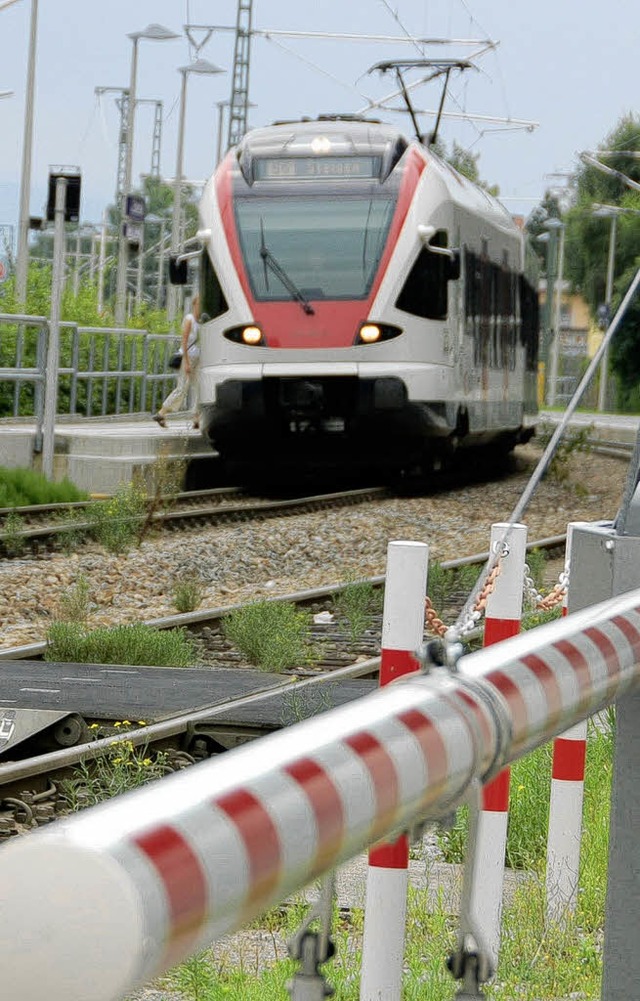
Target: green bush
72 642
19 487
187 594
117 523
357 603
272 634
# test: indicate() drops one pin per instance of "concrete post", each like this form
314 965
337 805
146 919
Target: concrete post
388 875
502 620
604 367
172 297
101 262
565 808
123 243
605 562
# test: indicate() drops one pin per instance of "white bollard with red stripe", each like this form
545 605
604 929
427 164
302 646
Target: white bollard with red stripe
502 620
565 807
387 875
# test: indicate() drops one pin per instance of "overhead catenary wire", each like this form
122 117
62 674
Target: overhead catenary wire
312 65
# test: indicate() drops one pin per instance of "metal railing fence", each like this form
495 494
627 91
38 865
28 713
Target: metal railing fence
101 370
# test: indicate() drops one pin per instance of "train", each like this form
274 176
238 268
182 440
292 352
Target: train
364 305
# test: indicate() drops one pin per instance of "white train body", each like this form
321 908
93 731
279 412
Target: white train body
365 302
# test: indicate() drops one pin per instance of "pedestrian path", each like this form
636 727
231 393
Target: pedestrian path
608 427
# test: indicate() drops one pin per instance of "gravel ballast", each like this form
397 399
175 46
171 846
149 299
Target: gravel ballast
279 556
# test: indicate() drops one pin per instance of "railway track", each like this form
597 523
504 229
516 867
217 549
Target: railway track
206 617
30 791
46 527
48 524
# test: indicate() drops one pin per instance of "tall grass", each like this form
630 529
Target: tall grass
72 642
358 602
273 635
19 487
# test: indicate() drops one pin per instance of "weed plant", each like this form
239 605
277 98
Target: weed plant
76 531
187 594
537 562
537 963
358 602
118 769
74 604
445 585
72 642
298 705
20 487
573 441
529 812
273 635
540 617
12 542
117 523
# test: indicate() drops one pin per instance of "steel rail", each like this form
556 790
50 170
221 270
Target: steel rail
62 506
221 511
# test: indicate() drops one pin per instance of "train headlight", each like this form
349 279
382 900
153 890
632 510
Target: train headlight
370 333
251 335
373 333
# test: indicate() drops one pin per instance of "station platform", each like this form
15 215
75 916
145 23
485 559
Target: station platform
97 454
606 427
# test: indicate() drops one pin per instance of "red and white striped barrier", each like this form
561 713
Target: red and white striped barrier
387 875
108 899
565 809
502 620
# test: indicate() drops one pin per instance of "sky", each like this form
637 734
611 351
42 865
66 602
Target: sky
569 65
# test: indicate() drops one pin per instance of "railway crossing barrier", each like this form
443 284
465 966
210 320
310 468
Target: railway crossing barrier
122 892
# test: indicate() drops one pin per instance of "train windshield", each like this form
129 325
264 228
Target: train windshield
326 248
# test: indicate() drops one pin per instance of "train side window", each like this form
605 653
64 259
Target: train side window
212 299
473 305
424 293
529 323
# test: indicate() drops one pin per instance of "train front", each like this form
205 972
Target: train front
300 223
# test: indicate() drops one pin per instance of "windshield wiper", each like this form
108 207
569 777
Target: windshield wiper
270 261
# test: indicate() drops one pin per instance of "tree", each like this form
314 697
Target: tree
465 162
549 208
588 237
159 202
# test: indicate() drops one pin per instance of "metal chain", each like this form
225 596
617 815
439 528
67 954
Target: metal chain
545 602
433 622
473 616
542 602
437 627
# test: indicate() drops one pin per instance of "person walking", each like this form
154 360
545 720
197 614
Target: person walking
188 371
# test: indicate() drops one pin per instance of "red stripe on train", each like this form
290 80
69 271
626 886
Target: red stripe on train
334 323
